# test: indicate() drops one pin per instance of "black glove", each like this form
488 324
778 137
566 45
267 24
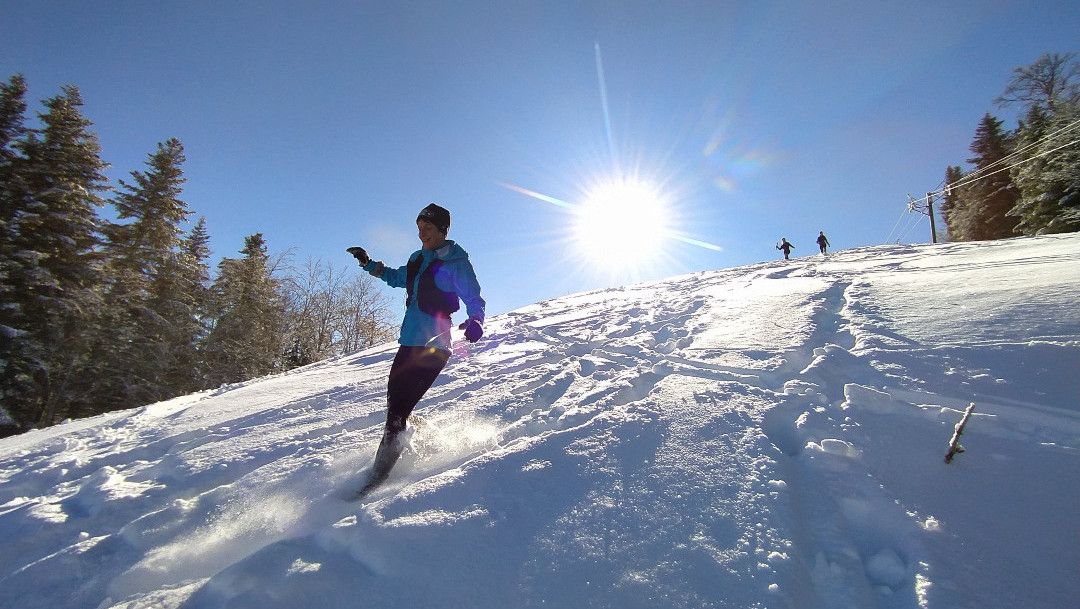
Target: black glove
472 328
359 254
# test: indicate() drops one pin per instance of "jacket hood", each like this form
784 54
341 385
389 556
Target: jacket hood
448 252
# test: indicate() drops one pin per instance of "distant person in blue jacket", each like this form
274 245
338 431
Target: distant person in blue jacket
785 246
435 278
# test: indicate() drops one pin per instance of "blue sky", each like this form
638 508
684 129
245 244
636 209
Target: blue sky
329 124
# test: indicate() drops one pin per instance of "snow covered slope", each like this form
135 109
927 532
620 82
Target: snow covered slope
767 436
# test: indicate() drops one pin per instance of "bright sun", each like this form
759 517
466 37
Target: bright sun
622 223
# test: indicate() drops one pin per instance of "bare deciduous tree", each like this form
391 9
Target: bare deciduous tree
1054 77
332 312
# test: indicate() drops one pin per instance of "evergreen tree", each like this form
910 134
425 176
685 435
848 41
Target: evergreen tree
12 130
993 195
135 326
1047 170
13 191
22 371
1033 209
13 194
952 205
179 296
52 277
1062 175
153 204
248 316
1049 183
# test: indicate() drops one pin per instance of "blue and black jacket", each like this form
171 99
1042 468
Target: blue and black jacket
434 280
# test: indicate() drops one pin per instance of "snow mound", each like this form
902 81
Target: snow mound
768 436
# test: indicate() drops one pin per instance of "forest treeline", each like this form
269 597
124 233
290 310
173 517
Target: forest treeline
98 315
1026 181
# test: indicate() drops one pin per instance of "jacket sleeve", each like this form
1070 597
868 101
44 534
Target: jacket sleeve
394 278
468 289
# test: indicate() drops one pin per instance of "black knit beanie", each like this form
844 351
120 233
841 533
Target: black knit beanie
438 216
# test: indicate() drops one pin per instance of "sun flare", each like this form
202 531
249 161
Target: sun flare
622 222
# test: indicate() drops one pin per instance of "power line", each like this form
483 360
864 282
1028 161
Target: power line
895 224
918 221
968 179
907 228
976 174
1014 165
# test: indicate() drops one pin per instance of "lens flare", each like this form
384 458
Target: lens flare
620 226
622 222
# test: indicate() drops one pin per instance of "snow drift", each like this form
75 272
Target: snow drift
767 436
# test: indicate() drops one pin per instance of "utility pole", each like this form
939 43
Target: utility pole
927 208
930 210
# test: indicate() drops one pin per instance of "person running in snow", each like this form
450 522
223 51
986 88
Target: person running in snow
435 278
822 241
785 247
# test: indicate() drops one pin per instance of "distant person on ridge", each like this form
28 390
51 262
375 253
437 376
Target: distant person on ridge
785 247
435 278
822 241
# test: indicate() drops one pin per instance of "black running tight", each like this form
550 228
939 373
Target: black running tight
412 374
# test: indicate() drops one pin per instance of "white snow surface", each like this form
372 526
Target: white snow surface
766 436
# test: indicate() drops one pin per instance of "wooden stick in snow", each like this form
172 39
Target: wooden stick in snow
954 444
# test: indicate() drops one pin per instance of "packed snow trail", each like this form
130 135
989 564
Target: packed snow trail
767 436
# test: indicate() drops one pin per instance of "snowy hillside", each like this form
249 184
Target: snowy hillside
767 436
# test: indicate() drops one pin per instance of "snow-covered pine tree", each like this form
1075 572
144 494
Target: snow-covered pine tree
1033 209
13 190
135 329
53 277
952 205
20 356
993 195
1060 178
12 130
247 311
180 295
